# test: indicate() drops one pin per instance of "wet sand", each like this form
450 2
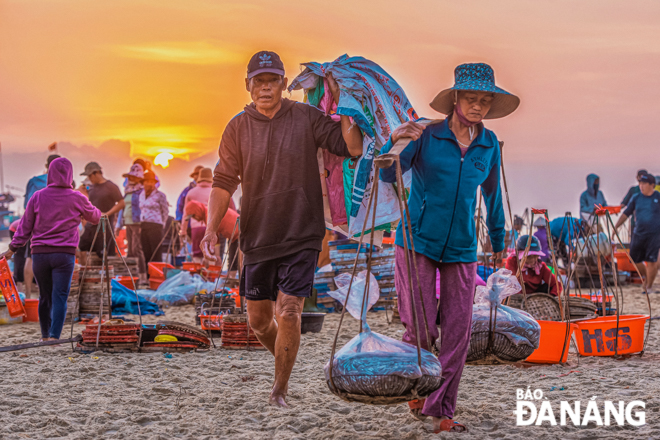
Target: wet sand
54 393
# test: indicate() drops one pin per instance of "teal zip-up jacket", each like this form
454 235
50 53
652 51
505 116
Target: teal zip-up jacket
443 194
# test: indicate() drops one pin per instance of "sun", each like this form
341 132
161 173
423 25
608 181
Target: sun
163 159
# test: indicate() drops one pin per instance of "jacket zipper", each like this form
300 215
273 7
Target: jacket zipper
421 216
453 212
270 131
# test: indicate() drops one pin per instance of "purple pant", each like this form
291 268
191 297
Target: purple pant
457 282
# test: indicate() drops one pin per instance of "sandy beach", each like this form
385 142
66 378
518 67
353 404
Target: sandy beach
54 393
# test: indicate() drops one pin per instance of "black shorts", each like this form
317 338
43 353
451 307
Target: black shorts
292 274
645 248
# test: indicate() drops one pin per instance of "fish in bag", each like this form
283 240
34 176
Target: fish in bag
374 368
499 332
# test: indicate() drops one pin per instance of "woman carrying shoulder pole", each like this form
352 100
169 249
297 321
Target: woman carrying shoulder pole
449 162
51 219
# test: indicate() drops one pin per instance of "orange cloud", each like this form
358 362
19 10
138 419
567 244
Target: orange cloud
186 52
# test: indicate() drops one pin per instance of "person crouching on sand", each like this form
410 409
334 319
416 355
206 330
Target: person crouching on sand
270 148
51 220
450 160
535 275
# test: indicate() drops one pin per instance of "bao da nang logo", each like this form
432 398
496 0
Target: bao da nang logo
532 408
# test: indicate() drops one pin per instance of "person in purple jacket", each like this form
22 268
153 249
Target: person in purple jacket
51 220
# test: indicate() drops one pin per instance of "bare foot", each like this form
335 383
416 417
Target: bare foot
277 400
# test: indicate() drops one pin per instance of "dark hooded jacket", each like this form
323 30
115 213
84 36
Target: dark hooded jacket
53 214
275 161
592 196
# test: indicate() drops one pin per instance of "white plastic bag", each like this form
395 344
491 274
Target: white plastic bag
597 244
517 325
373 354
179 289
354 305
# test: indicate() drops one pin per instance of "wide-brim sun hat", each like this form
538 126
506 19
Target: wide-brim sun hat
205 175
136 171
476 77
150 175
195 173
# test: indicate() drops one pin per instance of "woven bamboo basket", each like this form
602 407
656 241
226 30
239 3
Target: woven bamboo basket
502 351
540 305
383 390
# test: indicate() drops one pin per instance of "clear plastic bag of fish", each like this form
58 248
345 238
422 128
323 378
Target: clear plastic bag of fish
515 333
374 368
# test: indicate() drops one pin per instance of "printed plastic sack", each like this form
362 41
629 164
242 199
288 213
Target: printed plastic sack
377 104
363 365
354 305
179 290
517 325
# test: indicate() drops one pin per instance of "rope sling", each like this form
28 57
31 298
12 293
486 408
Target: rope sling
409 389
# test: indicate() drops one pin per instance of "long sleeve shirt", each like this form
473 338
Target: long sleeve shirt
154 208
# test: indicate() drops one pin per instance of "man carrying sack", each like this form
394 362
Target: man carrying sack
270 149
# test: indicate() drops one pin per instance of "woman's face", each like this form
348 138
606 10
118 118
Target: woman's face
475 105
149 185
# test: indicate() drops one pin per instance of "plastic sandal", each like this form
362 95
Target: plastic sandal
448 425
416 408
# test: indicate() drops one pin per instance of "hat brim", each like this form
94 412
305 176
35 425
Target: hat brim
267 70
205 179
522 253
503 104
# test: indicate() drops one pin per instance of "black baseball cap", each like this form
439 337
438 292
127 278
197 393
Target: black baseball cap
647 178
640 173
265 62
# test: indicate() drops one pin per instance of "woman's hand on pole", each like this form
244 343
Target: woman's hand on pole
408 129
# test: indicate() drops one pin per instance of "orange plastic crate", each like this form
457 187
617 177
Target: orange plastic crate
157 270
192 267
211 322
127 281
623 262
154 283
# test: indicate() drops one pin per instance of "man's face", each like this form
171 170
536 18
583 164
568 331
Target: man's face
646 188
95 177
266 90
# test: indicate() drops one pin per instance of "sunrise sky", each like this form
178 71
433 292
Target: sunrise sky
113 80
